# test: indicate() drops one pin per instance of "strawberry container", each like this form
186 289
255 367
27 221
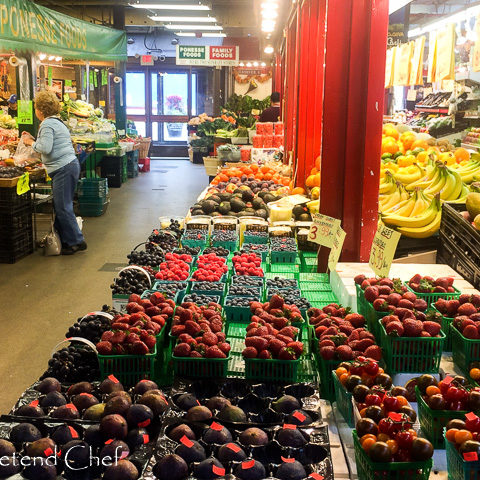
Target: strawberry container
372 317
458 468
361 301
464 350
314 277
433 422
446 322
370 470
344 401
411 355
200 367
283 257
325 368
272 370
129 369
431 298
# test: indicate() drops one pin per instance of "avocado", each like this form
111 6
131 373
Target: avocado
261 213
298 210
262 194
224 208
250 211
247 195
305 217
198 211
197 206
215 198
269 197
237 205
208 206
258 203
224 196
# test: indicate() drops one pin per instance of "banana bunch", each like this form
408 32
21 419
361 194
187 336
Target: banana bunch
408 175
418 224
470 171
393 198
417 203
388 184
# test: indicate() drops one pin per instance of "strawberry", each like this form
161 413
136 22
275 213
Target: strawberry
177 330
150 341
287 354
276 302
224 347
132 338
134 307
134 298
344 352
104 347
280 322
364 343
250 352
118 337
195 354
289 331
374 352
182 350
466 309
432 328
185 316
327 353
259 343
209 339
284 338
297 347
355 319
371 294
192 328
254 306
276 345
139 348
470 332
394 329
214 352
265 354
220 336
107 336
412 328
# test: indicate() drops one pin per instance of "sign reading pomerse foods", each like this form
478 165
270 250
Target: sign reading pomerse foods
209 56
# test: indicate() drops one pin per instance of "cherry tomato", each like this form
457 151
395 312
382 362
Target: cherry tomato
372 399
391 404
450 434
462 436
393 446
371 368
383 437
384 426
404 439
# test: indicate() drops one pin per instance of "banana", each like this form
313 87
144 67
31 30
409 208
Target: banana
463 195
425 231
406 179
392 200
421 204
438 184
395 208
387 185
469 177
453 186
430 176
416 221
407 208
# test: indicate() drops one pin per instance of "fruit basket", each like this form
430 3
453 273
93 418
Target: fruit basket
325 368
408 354
238 314
219 290
464 350
344 401
160 285
271 370
370 470
373 319
446 322
433 422
200 367
431 298
458 468
129 369
314 277
257 239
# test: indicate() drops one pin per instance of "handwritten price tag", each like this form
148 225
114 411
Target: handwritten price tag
23 184
323 230
336 249
383 250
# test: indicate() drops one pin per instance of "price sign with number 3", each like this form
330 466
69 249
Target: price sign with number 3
323 230
23 184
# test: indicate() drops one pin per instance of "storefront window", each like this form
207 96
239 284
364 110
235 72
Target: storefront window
135 93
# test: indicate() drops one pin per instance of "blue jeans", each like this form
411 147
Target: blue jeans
64 183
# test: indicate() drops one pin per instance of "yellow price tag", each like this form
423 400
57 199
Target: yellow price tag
336 249
23 184
383 250
101 103
323 230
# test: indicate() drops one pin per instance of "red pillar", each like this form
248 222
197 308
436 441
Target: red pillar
352 118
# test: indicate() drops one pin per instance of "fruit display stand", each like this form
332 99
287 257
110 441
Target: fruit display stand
458 468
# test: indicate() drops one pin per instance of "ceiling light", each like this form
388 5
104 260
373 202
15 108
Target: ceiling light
51 57
159 18
193 27
241 64
42 56
268 50
263 64
58 59
268 25
169 6
269 5
249 64
204 34
255 64
269 14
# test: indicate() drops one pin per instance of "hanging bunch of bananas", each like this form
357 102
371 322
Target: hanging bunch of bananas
419 217
469 171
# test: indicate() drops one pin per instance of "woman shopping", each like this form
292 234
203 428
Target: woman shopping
58 156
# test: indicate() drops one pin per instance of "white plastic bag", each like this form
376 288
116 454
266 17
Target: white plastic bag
25 154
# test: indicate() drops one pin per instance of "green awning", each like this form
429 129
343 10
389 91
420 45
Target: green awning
25 26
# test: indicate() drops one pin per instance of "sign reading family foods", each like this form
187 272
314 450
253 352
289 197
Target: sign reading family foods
27 26
205 55
383 250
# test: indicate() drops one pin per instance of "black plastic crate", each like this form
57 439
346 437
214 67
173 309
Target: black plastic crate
112 170
20 247
13 223
458 244
10 202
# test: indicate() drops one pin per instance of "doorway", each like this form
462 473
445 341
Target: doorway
161 101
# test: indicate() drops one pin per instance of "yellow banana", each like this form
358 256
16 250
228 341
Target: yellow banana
395 208
387 185
406 179
392 200
453 186
420 205
438 184
425 231
427 180
463 195
469 177
416 221
407 208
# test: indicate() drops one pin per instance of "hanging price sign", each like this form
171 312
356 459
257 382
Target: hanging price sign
23 184
383 250
336 249
323 230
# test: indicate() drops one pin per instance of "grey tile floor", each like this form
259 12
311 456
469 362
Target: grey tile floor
40 297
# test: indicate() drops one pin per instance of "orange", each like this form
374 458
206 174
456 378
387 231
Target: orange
432 390
407 138
317 163
265 169
259 176
389 145
313 171
310 181
475 373
461 154
422 157
390 131
254 167
367 444
419 144
298 191
267 176
344 378
448 158
462 436
450 435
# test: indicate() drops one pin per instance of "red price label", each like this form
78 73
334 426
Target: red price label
248 465
287 460
108 442
396 417
186 441
233 447
146 439
34 403
84 394
146 423
470 456
48 452
471 416
71 406
218 470
73 432
299 416
289 426
113 378
316 476
447 380
216 426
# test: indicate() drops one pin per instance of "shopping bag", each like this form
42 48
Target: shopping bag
52 244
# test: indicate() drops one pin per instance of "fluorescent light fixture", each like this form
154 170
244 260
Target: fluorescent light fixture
42 56
159 18
268 25
263 64
58 59
268 50
455 18
169 6
269 4
194 27
204 34
51 57
255 64
249 64
269 14
395 5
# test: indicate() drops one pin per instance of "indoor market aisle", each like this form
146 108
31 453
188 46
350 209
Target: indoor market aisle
42 296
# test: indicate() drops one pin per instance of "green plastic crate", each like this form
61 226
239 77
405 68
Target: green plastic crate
315 287
464 350
372 318
271 370
325 368
314 277
283 257
307 254
281 275
446 322
344 401
433 422
431 298
191 242
362 304
231 246
254 239
200 367
458 468
369 470
405 354
95 209
238 314
323 297
285 268
217 293
128 369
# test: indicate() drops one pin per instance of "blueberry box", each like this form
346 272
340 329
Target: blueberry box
238 314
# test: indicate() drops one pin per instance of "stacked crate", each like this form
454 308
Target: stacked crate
92 197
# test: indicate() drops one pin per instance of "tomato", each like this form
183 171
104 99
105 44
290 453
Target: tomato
373 399
384 426
391 404
462 436
371 368
383 437
450 434
341 371
404 439
393 446
432 390
403 402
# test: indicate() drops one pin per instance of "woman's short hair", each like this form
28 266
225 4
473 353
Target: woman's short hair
47 103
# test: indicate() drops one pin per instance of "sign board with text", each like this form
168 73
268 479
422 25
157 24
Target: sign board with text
323 230
336 249
221 56
25 112
383 250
